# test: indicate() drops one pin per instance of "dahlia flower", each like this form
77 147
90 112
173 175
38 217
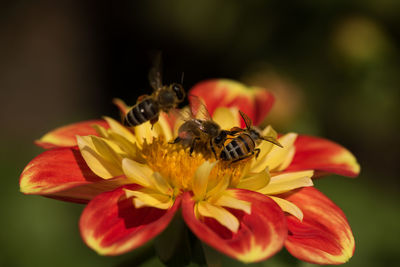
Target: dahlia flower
134 182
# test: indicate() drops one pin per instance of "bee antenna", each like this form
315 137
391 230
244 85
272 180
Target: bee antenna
183 75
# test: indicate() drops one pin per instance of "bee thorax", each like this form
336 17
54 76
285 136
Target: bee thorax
166 99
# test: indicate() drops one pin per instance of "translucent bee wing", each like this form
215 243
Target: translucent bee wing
272 140
184 114
175 113
180 116
198 108
155 73
246 119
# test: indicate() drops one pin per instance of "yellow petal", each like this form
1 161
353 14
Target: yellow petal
148 197
137 172
219 188
288 181
288 207
277 156
144 132
160 184
255 181
138 203
101 130
120 129
96 162
220 214
266 146
226 117
108 150
131 149
229 200
288 159
200 180
162 127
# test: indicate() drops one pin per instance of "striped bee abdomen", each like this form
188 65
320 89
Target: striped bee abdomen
143 111
239 147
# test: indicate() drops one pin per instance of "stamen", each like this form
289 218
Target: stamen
175 164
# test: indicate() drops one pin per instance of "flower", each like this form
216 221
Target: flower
134 182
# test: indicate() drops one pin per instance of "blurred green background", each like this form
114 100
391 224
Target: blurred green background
334 67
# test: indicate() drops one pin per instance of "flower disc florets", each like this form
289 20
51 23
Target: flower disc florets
175 164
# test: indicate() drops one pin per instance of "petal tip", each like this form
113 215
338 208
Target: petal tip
324 236
254 101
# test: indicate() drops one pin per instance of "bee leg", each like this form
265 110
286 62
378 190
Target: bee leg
176 140
153 121
141 98
212 148
257 150
123 120
192 145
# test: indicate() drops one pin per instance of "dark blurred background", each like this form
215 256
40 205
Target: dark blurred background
334 67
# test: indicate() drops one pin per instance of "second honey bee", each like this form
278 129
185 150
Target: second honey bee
200 131
164 98
244 142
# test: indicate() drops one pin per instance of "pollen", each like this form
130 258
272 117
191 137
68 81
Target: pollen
176 164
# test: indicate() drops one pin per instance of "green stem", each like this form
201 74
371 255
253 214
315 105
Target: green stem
212 257
173 246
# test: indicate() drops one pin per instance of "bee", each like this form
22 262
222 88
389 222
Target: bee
244 142
164 98
200 130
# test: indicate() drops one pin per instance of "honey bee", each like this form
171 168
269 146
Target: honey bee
200 130
164 98
244 142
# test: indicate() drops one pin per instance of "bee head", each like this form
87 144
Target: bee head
179 91
255 133
219 139
210 128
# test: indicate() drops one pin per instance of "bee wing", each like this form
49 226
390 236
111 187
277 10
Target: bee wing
180 117
235 130
246 119
155 73
272 140
188 131
198 108
184 114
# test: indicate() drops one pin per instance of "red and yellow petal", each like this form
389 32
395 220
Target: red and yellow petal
313 153
62 173
66 136
111 225
254 101
260 235
324 236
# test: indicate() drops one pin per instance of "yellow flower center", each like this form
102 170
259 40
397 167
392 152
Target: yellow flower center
175 164
164 170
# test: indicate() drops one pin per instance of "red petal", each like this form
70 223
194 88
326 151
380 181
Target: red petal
255 102
324 156
111 225
62 173
261 233
66 136
324 236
